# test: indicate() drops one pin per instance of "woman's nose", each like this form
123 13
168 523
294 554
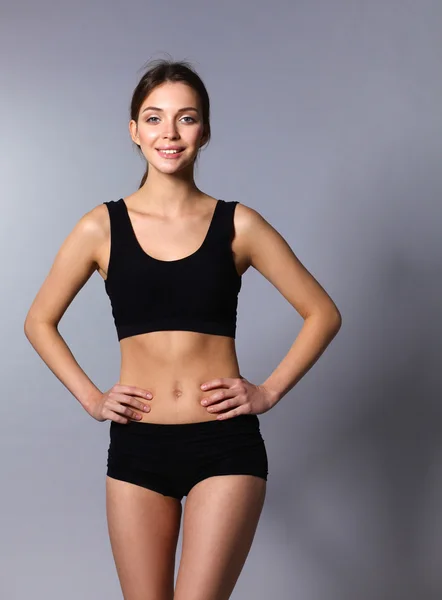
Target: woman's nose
170 129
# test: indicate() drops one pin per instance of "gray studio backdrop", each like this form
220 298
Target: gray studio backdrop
327 120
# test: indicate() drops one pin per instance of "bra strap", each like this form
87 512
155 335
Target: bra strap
222 230
120 228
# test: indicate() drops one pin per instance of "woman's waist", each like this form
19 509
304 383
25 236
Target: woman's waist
176 385
172 366
178 389
170 411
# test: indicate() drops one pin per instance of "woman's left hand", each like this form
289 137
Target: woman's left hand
239 395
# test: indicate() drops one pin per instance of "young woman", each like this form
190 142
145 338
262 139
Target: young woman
183 420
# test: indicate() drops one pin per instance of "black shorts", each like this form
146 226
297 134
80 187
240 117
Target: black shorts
172 458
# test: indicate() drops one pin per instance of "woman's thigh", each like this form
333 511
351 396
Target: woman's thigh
143 528
221 515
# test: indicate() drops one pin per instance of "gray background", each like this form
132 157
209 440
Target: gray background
326 118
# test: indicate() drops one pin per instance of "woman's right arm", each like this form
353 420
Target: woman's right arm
74 264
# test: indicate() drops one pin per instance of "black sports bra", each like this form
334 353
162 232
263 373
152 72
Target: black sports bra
196 293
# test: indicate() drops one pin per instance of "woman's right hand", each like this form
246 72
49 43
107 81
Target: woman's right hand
119 404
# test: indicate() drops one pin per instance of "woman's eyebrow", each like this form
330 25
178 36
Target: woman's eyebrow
160 109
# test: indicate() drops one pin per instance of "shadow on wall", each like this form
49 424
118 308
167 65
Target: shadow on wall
361 495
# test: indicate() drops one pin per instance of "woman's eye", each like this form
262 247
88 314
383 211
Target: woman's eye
191 118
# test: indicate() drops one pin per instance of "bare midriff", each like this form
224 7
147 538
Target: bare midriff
172 365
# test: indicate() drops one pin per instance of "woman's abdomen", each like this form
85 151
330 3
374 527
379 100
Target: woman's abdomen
172 365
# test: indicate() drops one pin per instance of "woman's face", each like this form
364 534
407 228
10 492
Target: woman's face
168 124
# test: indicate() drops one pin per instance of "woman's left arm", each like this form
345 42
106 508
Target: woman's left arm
271 255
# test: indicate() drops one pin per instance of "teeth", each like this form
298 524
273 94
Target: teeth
170 151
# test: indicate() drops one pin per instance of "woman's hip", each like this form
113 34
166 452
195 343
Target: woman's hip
171 447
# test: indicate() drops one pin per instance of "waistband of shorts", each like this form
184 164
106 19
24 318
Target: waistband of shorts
241 423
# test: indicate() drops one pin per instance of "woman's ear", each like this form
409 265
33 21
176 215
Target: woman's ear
204 136
133 131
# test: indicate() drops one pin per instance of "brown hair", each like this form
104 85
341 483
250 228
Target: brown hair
159 71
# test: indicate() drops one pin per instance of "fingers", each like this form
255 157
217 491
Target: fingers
221 382
221 400
120 408
127 400
134 391
220 406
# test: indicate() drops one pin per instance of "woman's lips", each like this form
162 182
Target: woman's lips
169 155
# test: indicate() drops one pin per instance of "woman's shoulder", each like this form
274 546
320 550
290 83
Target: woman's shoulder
94 225
246 217
97 219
